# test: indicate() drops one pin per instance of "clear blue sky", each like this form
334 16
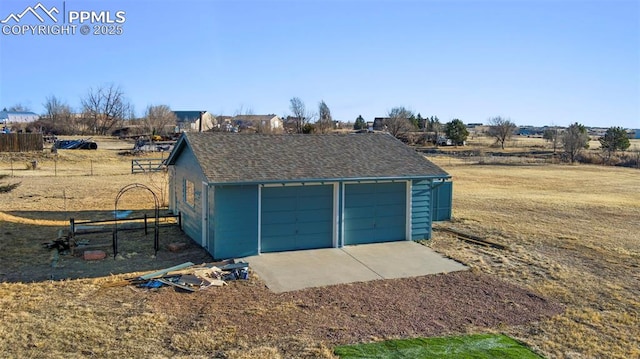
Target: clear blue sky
537 62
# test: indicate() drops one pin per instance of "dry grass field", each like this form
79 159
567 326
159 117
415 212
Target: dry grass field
573 234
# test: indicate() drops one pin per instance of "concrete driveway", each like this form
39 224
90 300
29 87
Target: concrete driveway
288 271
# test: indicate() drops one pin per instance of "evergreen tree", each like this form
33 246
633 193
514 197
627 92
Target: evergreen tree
421 122
414 122
615 139
360 124
456 131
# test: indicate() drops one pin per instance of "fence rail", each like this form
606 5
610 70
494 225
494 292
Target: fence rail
140 165
73 224
21 142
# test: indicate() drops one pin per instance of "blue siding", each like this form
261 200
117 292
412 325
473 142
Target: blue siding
187 167
375 212
442 194
236 221
211 220
421 210
296 217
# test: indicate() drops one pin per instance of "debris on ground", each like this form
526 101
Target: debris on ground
190 277
75 145
470 238
94 255
62 243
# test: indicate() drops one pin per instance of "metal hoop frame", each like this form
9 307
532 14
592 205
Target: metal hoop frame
156 228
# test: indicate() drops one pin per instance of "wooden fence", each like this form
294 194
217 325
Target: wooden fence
147 165
21 142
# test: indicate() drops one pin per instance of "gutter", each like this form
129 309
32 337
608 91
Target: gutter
329 180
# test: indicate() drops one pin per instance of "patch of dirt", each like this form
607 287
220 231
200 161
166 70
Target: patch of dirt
26 260
358 312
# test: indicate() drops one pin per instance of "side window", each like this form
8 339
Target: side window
189 193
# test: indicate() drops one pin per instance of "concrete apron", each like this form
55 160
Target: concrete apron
295 270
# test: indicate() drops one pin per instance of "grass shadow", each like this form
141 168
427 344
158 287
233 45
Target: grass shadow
25 259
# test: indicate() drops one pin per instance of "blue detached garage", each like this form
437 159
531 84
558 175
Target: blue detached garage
242 195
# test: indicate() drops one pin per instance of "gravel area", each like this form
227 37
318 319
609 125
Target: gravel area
359 312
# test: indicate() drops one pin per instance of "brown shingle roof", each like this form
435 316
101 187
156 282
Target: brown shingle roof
258 158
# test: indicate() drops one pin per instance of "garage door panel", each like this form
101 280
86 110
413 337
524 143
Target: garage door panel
359 223
374 212
359 233
313 215
389 187
358 213
276 192
296 217
317 228
278 244
277 217
360 200
313 204
279 229
356 189
311 241
387 200
386 210
390 221
279 204
389 234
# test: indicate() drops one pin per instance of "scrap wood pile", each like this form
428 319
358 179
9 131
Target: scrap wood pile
190 277
66 243
63 243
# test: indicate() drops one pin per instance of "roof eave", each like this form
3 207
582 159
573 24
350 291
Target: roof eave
322 180
177 149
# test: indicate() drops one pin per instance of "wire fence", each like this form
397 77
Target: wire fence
53 167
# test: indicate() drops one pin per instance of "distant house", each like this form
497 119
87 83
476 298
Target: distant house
16 117
251 194
262 123
189 121
529 131
379 123
290 124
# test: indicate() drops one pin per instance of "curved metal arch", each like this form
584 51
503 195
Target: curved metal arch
156 226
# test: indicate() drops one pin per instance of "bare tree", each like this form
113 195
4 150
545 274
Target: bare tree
244 111
325 121
159 182
398 121
104 108
552 135
501 128
574 140
59 116
157 118
300 114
